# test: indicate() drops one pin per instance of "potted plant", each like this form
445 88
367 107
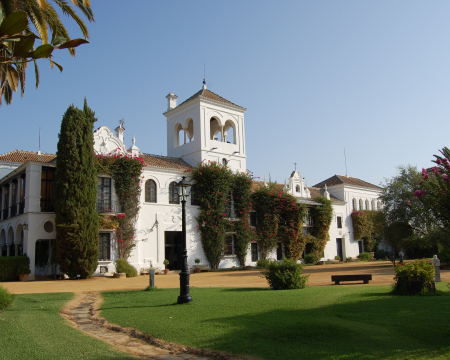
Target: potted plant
166 270
23 271
337 257
197 269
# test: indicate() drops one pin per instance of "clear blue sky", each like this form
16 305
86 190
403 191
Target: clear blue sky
316 76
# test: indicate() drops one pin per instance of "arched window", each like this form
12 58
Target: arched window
373 205
190 130
173 193
367 205
229 132
378 205
297 188
354 205
361 204
215 129
150 191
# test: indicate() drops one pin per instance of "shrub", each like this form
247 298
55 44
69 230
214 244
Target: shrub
264 263
9 266
123 266
337 257
23 269
414 278
365 256
310 258
349 259
6 299
381 254
285 275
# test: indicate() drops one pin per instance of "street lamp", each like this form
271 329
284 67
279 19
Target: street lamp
184 188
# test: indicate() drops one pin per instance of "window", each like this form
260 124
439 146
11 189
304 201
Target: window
297 188
378 205
361 204
367 205
279 251
229 206
339 222
150 191
104 247
13 198
254 249
307 219
373 205
253 218
22 194
5 201
47 175
229 245
354 205
173 193
195 198
104 194
224 161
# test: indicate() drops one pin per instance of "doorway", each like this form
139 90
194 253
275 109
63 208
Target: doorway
173 249
339 248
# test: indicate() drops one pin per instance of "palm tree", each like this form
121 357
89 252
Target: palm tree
43 17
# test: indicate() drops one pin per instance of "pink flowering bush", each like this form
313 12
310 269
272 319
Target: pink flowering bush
414 278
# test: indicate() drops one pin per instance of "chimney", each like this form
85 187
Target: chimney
171 101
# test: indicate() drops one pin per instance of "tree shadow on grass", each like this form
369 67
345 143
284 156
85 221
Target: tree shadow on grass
386 327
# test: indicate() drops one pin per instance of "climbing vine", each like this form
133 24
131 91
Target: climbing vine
126 172
368 225
322 216
244 233
213 182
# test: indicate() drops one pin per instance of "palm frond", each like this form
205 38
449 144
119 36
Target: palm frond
85 7
36 73
67 9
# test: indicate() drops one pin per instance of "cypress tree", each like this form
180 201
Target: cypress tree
75 193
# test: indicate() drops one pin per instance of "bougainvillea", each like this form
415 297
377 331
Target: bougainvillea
126 171
279 217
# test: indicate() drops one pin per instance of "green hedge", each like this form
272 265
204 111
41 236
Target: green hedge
9 266
414 278
123 266
285 275
6 299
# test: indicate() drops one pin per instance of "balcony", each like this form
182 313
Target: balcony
21 207
108 207
5 214
13 211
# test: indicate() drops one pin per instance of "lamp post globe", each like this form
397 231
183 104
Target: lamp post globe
184 189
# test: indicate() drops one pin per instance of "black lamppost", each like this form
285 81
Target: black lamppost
184 188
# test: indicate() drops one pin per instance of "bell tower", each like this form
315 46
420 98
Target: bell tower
206 127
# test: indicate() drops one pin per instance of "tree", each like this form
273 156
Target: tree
43 17
74 191
401 206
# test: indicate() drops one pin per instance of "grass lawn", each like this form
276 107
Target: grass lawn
322 322
32 329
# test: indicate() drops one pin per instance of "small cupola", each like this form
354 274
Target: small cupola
171 101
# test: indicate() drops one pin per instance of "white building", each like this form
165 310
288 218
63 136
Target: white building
204 127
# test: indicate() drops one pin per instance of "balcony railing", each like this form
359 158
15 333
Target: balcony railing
108 206
4 214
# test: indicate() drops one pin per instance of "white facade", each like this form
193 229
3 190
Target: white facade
205 127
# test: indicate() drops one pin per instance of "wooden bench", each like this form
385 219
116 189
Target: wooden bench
352 277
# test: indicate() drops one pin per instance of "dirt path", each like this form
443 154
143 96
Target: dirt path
82 312
319 275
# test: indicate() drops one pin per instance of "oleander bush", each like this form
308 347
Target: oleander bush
286 275
6 298
123 266
365 256
415 278
311 258
9 265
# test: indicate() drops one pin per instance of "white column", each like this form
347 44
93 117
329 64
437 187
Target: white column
33 188
7 249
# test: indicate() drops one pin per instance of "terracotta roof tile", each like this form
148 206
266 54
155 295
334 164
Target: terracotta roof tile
165 162
340 179
207 94
315 192
20 156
